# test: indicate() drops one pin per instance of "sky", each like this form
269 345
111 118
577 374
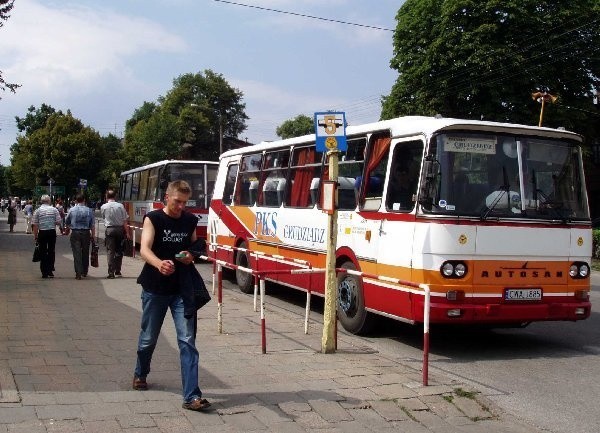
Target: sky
103 59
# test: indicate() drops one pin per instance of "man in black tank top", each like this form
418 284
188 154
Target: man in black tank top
166 236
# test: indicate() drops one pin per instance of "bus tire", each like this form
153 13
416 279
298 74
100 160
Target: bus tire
244 280
351 302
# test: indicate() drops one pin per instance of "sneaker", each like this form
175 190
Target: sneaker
197 404
78 277
50 275
139 383
111 276
44 276
118 274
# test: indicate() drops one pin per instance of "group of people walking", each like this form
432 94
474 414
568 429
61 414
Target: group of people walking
168 237
79 223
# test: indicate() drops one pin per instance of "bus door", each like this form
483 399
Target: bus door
396 233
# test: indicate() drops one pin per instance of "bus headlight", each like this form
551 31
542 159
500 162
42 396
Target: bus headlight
453 269
579 270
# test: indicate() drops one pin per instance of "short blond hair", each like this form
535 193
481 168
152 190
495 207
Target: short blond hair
179 186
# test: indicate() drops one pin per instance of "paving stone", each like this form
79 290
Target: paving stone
246 421
63 426
440 406
59 411
392 391
174 424
28 427
369 418
15 415
389 410
471 408
310 420
330 411
135 420
412 404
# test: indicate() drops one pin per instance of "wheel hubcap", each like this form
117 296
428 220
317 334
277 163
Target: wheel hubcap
347 296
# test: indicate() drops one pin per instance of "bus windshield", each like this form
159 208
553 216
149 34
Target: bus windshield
194 175
495 175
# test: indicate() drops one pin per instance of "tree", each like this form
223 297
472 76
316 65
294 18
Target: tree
483 59
5 7
152 139
63 149
35 118
189 121
299 125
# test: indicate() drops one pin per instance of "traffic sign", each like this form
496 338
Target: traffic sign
330 131
43 189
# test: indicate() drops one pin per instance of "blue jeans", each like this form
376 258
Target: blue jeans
154 310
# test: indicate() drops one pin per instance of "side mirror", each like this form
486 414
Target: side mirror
429 184
164 184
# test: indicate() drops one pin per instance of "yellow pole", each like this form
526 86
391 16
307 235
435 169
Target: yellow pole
329 316
542 110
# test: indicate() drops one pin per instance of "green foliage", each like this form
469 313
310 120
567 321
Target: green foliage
188 122
63 149
151 140
296 127
483 59
596 244
35 118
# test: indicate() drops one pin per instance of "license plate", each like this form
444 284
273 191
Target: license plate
523 294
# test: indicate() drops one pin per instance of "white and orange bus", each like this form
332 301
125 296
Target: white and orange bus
492 216
143 189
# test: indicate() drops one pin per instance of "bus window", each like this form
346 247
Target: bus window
126 190
211 175
305 172
232 172
273 181
152 183
350 171
246 190
135 186
404 176
143 185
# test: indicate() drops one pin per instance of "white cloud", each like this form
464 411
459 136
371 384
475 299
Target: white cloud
51 50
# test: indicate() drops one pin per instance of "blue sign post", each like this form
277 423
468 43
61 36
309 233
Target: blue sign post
330 130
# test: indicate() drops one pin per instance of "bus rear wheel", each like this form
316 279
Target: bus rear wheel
351 302
244 280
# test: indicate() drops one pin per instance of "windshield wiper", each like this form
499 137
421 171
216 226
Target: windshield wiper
505 187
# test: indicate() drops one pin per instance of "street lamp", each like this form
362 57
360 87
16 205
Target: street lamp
543 97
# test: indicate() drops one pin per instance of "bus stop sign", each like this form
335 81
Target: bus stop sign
330 130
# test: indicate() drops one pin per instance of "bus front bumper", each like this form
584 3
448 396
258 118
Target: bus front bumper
504 313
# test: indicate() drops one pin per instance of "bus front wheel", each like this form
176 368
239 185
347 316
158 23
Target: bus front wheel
244 280
351 302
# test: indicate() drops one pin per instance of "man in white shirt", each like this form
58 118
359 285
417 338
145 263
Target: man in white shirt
45 220
115 220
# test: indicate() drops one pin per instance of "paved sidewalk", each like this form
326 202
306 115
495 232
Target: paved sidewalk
68 349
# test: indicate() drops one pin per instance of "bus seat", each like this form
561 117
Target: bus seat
273 191
346 193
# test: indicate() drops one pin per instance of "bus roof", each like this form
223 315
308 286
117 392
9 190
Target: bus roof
165 162
411 125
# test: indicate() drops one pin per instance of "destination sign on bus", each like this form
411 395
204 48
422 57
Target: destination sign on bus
470 145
